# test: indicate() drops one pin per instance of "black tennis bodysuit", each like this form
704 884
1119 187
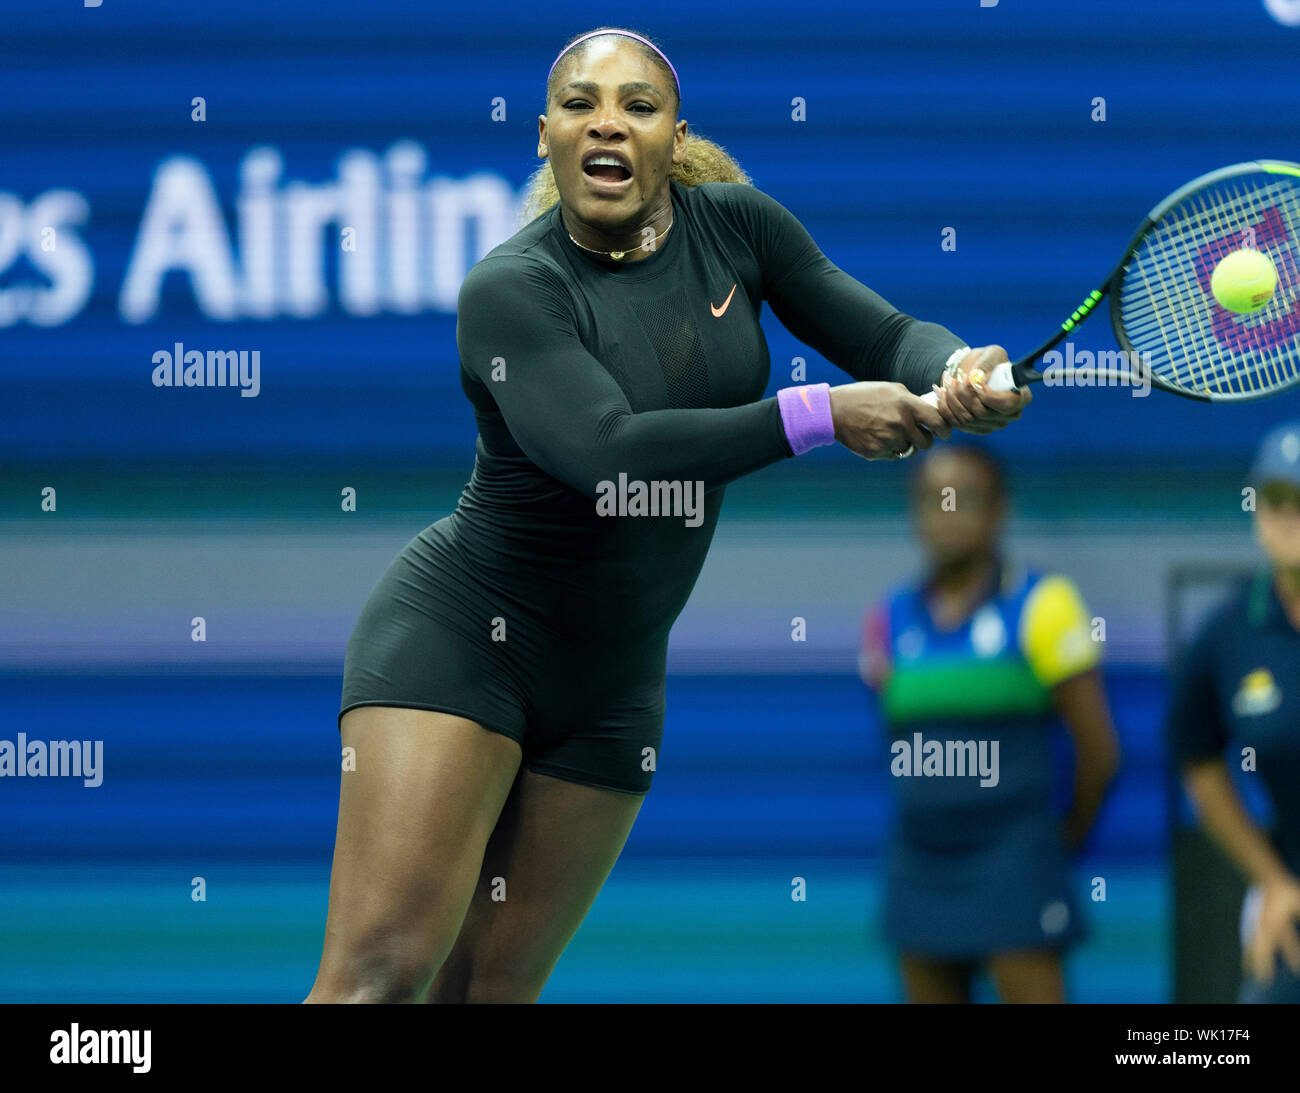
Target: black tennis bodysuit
541 606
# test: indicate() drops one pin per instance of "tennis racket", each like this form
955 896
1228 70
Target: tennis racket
1171 329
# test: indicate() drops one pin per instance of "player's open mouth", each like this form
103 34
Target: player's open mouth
607 170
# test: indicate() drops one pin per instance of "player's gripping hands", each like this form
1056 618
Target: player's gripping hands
885 420
969 404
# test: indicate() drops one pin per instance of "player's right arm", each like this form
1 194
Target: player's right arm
517 335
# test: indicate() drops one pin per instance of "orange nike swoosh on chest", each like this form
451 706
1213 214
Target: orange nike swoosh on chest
718 311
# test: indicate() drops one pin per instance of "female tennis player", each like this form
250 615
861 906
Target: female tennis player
1236 699
504 686
981 654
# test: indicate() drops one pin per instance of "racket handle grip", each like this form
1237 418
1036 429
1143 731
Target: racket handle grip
1000 380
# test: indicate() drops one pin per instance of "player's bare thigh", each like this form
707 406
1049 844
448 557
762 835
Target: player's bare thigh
415 815
554 846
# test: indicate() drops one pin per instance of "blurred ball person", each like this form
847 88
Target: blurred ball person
984 655
504 686
1236 699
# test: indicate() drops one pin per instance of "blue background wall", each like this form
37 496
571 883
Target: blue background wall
221 758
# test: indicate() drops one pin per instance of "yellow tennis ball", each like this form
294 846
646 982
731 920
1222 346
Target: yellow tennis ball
1244 281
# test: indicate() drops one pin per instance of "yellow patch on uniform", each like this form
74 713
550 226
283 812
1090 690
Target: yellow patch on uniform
1055 632
1258 693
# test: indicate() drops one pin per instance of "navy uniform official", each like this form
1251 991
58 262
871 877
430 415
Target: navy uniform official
1237 700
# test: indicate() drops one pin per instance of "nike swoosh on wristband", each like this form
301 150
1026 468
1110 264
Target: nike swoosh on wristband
719 311
803 394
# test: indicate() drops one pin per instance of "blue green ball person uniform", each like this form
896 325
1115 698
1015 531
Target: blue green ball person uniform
1236 699
975 667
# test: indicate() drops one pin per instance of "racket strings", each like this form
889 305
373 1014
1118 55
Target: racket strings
1203 230
1168 312
1284 261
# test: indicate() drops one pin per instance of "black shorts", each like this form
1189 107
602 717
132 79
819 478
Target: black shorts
584 710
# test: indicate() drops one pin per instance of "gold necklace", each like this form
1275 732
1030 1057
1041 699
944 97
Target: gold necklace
619 255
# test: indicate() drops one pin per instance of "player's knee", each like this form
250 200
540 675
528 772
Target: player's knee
385 972
374 985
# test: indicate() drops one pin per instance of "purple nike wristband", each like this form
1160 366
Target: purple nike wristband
806 414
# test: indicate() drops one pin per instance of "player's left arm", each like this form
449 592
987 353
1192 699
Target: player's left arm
1056 638
861 332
